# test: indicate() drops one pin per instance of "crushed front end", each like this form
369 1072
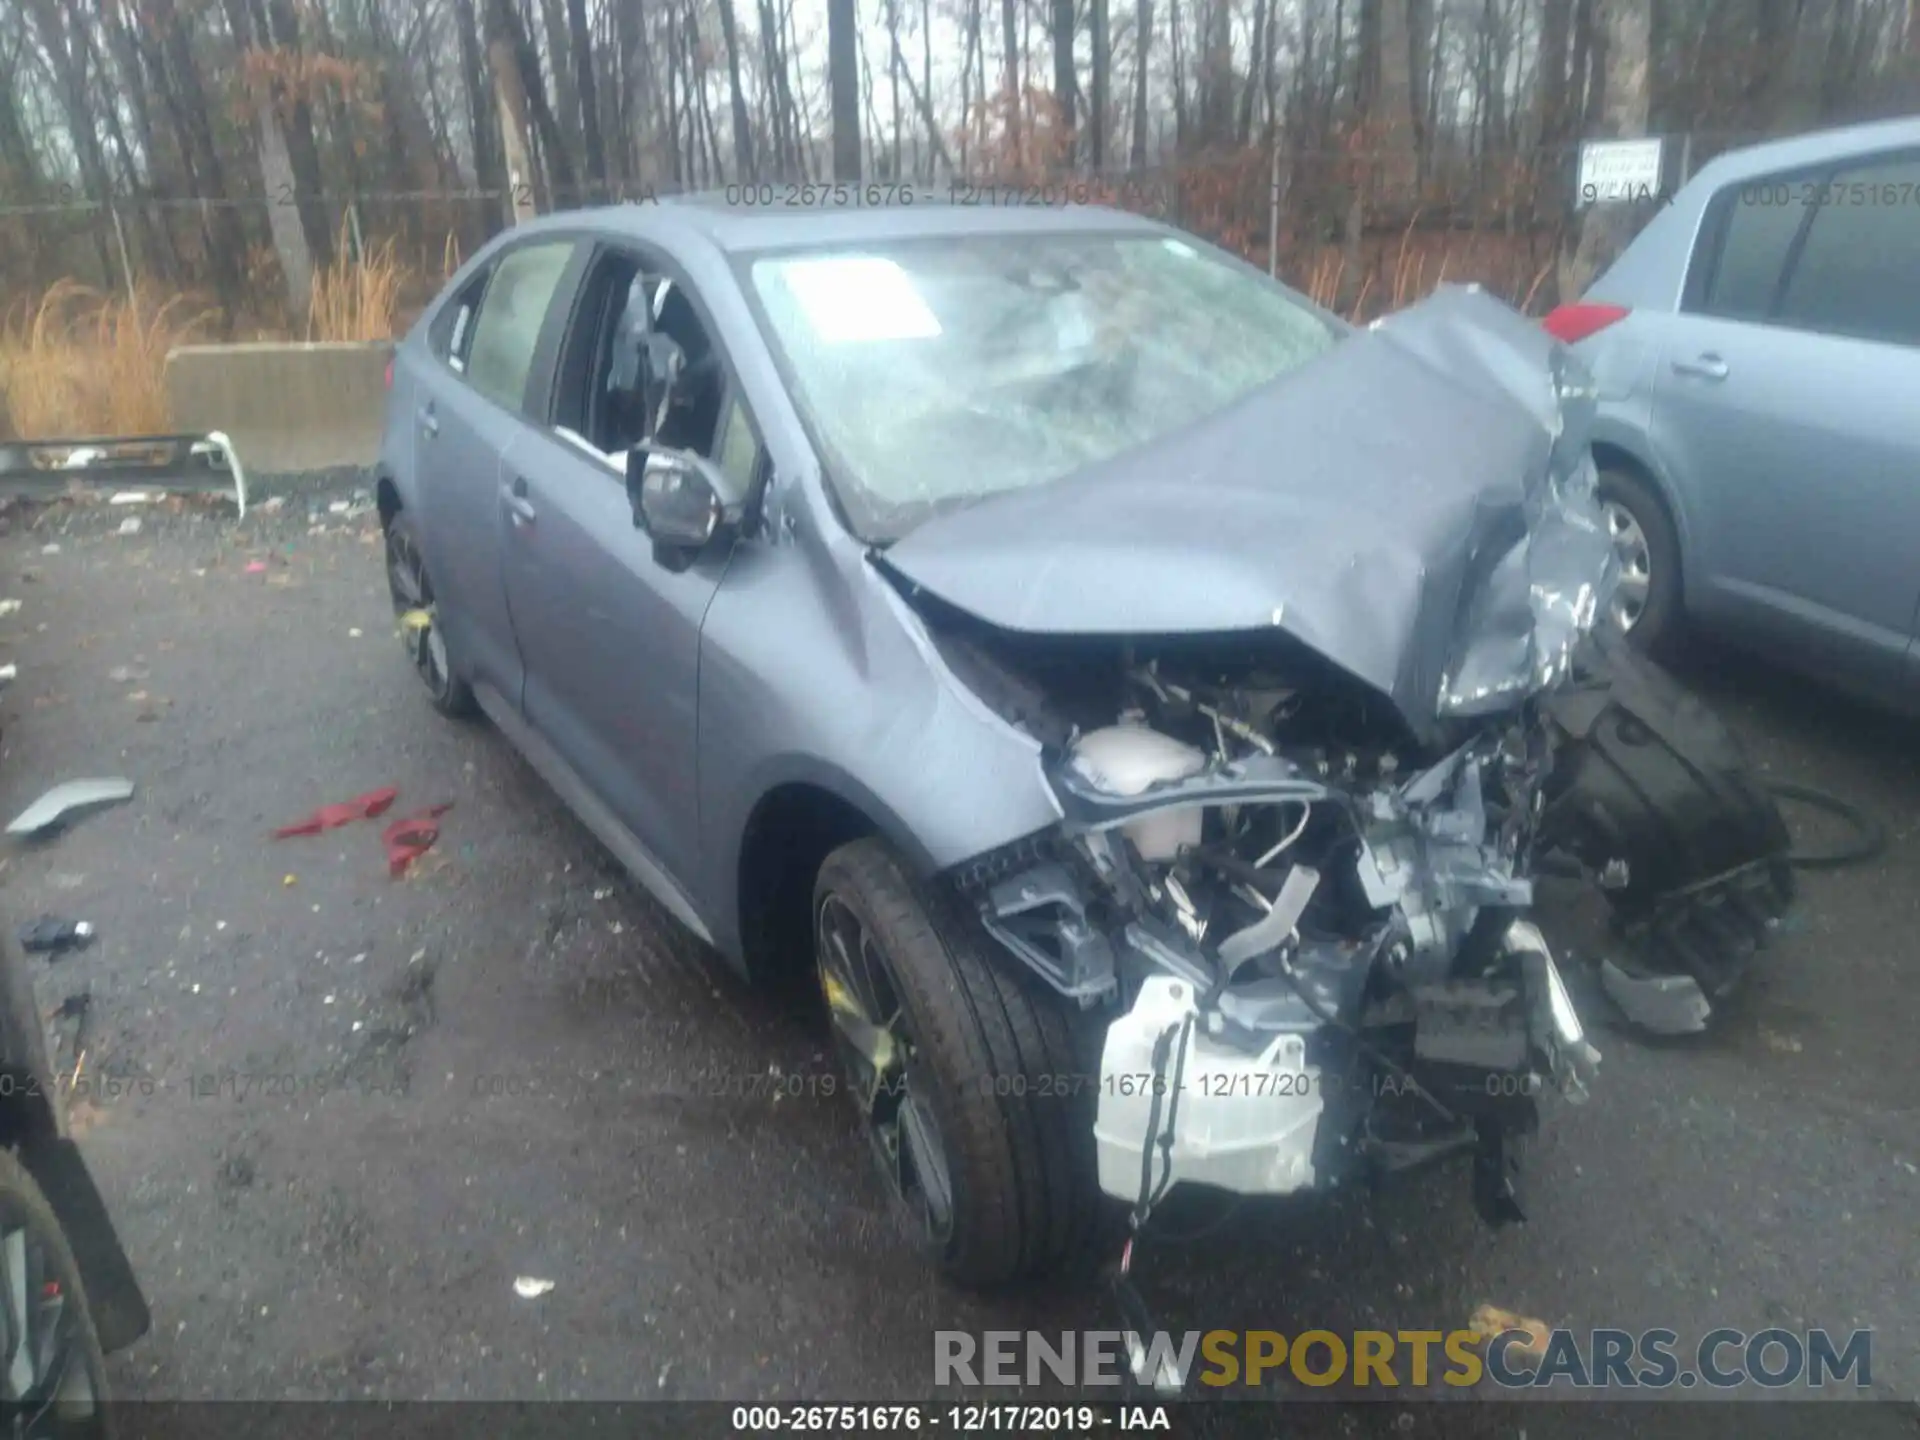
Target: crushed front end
1295 863
1306 937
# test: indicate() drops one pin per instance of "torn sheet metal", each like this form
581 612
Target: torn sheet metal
1417 505
162 464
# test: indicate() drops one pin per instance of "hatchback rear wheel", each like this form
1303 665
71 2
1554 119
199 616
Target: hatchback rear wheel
1646 602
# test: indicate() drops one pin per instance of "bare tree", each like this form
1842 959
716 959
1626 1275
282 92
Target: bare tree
582 43
742 127
843 84
1604 229
1099 81
1010 65
1065 89
1143 44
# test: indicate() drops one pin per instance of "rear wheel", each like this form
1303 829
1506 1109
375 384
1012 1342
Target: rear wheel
415 608
55 1384
964 1074
1647 602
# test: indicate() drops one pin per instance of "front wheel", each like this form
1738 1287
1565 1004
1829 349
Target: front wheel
967 1078
55 1384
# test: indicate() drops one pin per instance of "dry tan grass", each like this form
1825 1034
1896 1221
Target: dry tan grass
356 300
82 363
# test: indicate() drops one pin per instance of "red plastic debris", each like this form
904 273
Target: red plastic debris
410 837
256 567
362 807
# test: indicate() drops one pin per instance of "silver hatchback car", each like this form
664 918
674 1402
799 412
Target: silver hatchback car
1757 350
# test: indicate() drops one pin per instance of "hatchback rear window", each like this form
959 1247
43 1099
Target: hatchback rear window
1761 222
1858 272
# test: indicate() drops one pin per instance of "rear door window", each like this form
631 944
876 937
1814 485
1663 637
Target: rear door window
499 357
1858 271
1761 221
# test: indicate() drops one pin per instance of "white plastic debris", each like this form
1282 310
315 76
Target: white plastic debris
130 497
67 802
9 607
528 1287
130 525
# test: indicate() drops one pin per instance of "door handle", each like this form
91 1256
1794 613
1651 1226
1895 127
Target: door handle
1702 367
429 422
519 508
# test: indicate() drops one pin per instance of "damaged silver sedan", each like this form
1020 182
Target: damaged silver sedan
1142 702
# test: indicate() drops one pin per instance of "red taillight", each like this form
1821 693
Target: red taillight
389 381
1574 323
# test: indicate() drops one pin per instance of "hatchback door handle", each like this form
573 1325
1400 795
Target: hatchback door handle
519 508
1703 367
429 422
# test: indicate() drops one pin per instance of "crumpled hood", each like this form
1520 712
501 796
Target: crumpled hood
1417 505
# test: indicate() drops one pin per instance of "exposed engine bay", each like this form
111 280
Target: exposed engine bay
1312 926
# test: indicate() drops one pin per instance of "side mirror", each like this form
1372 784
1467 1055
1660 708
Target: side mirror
681 500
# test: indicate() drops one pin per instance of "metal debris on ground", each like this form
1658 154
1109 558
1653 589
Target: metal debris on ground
410 837
1489 1321
327 817
50 935
161 464
74 1007
67 802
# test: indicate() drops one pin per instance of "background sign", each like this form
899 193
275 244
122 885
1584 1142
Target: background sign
1612 171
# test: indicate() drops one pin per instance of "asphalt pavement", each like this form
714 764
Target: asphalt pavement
343 1120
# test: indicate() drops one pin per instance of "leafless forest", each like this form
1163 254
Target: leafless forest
248 153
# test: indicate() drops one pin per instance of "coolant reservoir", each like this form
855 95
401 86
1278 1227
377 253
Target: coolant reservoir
1244 1122
1129 760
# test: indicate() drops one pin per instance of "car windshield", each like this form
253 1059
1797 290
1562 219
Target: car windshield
939 372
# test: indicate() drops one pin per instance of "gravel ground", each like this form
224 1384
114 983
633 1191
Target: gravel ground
336 1115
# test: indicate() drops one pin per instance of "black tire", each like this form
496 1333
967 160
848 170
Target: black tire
1648 776
1658 618
67 1395
996 1062
411 590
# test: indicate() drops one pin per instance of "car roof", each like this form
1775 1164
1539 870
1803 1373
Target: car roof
1815 148
732 226
1651 271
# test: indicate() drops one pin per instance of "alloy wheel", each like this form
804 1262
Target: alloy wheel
1636 564
412 597
47 1384
888 1080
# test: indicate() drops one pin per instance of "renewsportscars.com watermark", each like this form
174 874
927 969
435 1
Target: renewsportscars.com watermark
1599 1359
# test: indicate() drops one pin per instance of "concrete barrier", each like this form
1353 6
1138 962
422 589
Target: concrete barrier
286 407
